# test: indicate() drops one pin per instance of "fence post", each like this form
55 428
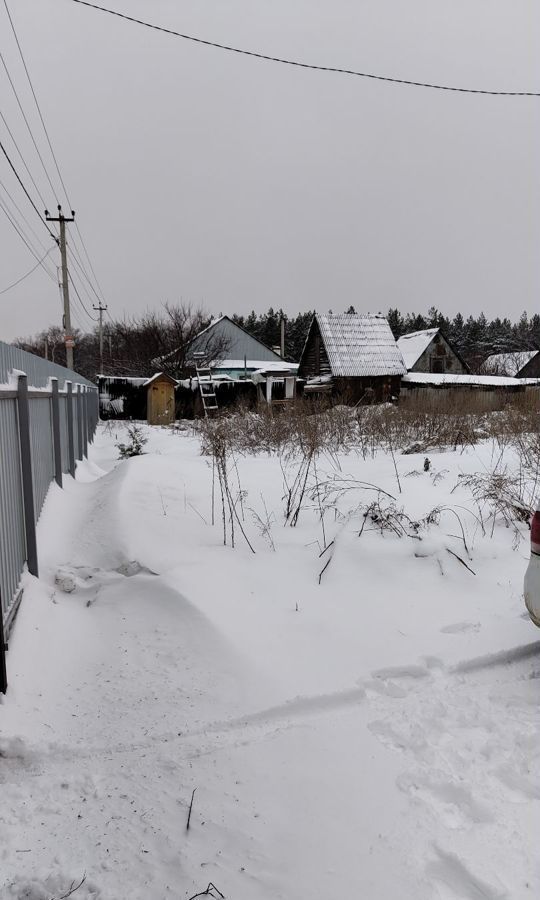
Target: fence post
90 416
71 444
56 432
26 471
79 422
85 423
3 648
95 413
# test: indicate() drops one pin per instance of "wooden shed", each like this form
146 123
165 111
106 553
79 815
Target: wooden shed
431 351
160 408
353 357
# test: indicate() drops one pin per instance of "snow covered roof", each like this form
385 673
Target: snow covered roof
255 364
360 345
479 380
159 375
414 344
135 380
508 363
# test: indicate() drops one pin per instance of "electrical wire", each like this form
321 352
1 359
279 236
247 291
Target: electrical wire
89 260
302 65
32 179
35 99
24 238
55 160
18 228
22 215
84 274
76 257
22 278
14 89
19 179
79 298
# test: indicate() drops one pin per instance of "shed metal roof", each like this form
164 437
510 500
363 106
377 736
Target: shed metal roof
224 338
360 345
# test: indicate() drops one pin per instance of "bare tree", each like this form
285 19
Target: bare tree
137 346
158 340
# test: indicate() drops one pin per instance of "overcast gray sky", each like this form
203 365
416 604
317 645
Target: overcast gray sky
206 177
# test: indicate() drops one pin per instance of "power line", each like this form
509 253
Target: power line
19 179
24 238
21 214
66 277
76 256
79 299
49 142
19 229
12 136
303 65
36 102
33 269
14 89
84 274
89 260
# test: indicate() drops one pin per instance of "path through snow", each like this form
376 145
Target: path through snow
391 753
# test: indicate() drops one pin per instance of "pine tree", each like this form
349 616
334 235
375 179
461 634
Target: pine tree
395 320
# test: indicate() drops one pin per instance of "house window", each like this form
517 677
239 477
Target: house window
437 365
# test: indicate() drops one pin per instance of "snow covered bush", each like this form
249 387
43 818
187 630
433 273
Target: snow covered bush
134 447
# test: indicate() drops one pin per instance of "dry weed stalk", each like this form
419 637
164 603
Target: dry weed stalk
216 434
264 523
500 495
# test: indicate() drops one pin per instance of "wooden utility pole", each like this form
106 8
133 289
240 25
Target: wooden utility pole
100 309
68 334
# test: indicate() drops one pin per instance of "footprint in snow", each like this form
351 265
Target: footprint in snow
449 870
527 789
452 803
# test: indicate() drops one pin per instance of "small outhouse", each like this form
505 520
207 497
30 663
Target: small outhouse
160 407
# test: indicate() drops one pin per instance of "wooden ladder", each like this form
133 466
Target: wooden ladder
207 388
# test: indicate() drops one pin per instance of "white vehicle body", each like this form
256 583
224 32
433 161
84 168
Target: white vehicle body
532 575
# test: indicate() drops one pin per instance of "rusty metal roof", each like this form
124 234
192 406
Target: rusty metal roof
360 345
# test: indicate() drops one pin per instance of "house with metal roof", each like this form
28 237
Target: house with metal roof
519 364
430 351
353 356
229 350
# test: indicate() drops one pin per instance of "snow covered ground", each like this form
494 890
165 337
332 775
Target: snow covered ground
375 735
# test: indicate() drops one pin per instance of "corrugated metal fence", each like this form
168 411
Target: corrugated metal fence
48 414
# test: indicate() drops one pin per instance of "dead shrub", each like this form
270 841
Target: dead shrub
501 496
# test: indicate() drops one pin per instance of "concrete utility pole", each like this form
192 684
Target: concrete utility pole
68 335
100 309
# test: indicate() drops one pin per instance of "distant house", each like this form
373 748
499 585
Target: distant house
230 351
520 364
430 351
354 356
